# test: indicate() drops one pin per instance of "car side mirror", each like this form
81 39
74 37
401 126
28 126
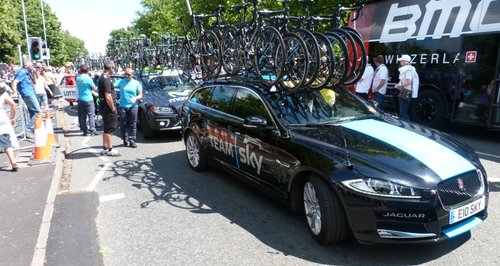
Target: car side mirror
255 122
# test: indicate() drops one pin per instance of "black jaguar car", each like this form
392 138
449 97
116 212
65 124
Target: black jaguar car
162 97
332 156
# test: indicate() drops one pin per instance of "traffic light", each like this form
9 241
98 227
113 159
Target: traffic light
35 48
45 51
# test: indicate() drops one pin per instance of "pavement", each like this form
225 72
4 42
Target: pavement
42 221
35 203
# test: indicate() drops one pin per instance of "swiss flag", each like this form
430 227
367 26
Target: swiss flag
470 56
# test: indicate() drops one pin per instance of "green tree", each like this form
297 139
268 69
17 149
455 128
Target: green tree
71 46
8 34
161 15
57 40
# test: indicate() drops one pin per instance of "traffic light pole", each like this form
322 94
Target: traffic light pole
44 33
26 32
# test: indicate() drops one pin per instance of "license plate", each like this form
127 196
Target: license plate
466 211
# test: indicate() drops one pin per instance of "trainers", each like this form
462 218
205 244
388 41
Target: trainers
125 143
113 152
132 144
104 152
95 133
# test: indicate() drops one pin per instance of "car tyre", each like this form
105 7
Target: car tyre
323 211
147 131
195 155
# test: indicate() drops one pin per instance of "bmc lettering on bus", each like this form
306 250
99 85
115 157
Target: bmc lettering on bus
436 18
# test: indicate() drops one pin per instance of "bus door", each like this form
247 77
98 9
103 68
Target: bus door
478 103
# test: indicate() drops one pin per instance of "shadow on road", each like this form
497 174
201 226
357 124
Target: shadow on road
271 222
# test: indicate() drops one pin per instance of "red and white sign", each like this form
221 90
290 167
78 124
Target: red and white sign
470 56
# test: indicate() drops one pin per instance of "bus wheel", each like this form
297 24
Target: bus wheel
429 109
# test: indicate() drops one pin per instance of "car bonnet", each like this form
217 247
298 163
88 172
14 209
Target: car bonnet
166 97
380 149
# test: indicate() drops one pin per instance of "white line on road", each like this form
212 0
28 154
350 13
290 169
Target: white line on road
85 140
98 177
111 197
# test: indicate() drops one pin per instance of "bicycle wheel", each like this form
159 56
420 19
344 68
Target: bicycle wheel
296 63
312 49
230 47
186 62
210 54
269 56
340 60
352 53
361 56
325 66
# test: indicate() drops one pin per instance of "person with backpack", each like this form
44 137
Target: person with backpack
407 86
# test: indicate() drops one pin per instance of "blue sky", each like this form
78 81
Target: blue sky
93 20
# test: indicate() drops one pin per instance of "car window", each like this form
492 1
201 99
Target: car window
323 106
202 96
221 98
248 103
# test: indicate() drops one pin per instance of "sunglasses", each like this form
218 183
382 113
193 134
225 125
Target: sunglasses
128 75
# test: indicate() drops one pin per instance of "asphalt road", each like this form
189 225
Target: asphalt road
154 210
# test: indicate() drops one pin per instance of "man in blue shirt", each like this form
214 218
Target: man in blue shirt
86 108
130 93
23 83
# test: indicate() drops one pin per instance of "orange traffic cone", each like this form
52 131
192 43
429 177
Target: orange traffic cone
42 150
51 138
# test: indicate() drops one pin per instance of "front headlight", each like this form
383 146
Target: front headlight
161 109
383 188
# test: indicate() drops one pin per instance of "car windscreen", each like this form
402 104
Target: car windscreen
319 106
163 82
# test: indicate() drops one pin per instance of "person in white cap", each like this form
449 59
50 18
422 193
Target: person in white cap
363 85
407 90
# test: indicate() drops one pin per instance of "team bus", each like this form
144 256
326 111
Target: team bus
455 46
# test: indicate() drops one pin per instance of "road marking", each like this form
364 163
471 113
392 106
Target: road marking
98 177
487 154
111 197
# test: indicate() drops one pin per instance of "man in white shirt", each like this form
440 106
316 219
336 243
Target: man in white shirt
380 79
363 85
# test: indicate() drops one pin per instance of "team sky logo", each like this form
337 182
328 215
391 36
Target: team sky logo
434 18
227 143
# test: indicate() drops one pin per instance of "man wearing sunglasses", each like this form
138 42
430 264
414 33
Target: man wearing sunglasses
130 94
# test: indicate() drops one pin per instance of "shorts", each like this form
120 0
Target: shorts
109 121
42 98
5 142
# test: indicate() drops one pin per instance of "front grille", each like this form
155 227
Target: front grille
450 194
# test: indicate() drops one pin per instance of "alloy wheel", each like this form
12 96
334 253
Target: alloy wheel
312 208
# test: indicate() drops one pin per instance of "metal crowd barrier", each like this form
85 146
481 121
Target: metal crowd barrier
22 119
